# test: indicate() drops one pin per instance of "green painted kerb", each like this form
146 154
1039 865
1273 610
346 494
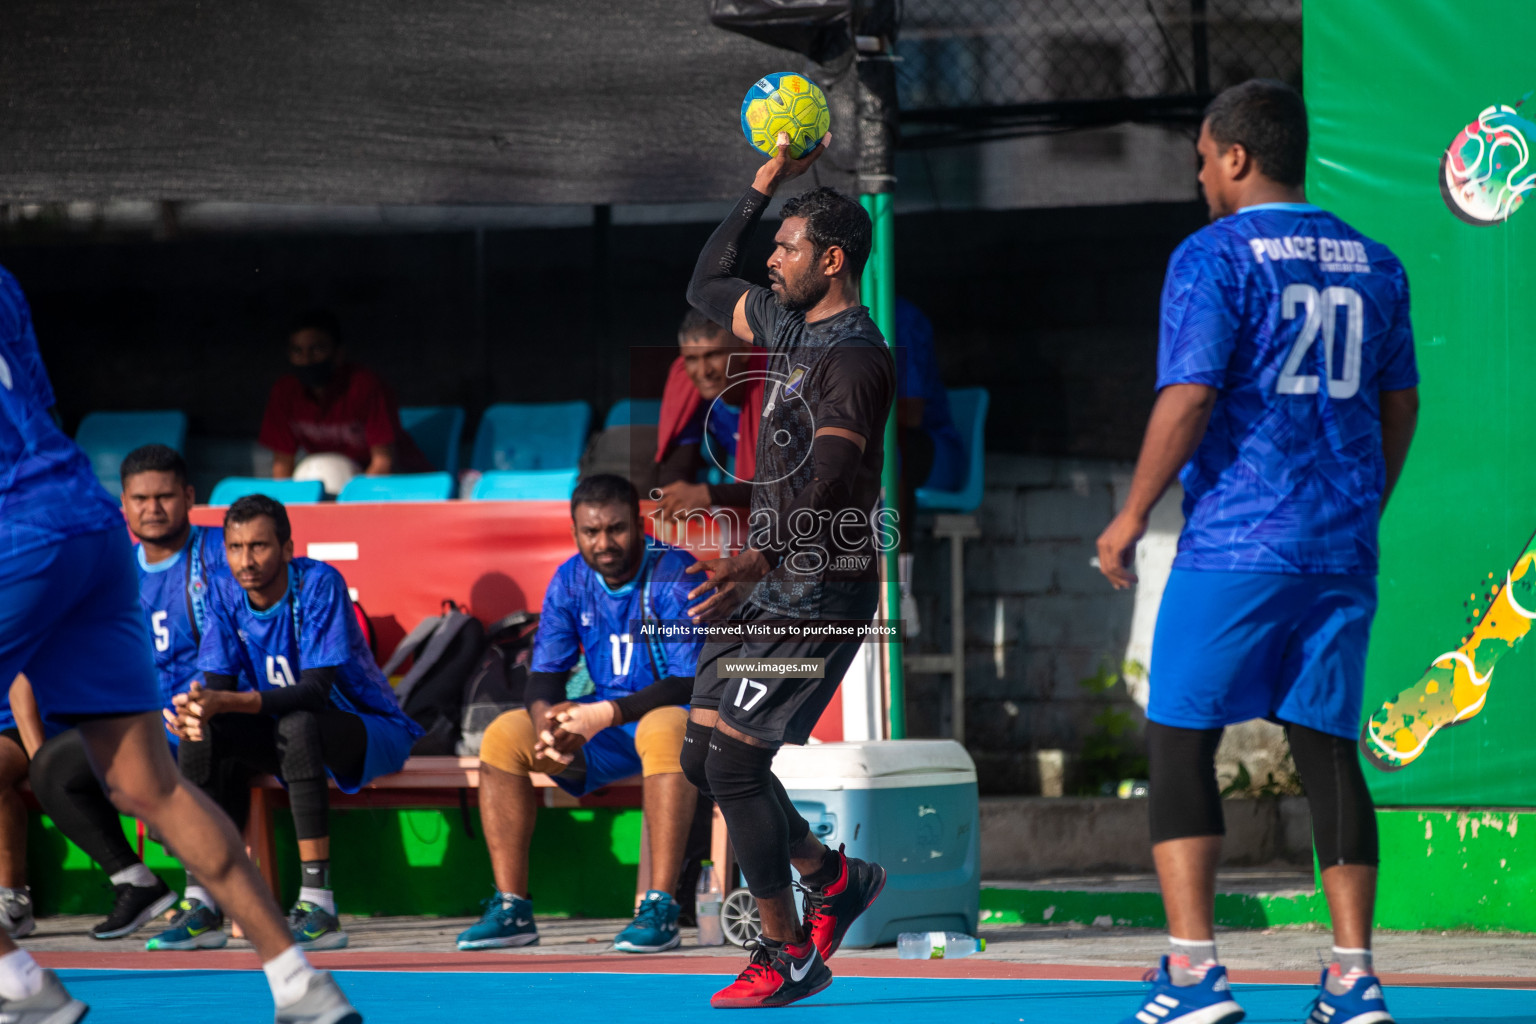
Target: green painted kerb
1138 909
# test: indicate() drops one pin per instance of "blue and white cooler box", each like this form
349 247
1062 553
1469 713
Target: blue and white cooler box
908 804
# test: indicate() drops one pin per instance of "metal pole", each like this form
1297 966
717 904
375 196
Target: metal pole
879 294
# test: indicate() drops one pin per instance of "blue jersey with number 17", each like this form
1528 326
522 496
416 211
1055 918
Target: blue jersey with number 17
1300 322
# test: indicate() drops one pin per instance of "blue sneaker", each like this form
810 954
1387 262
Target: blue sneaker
1209 1002
314 927
1362 1004
654 929
194 926
507 922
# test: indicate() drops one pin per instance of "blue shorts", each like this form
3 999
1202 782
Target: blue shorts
610 756
70 619
389 744
1232 646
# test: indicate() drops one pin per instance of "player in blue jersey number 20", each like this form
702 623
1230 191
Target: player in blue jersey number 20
1287 394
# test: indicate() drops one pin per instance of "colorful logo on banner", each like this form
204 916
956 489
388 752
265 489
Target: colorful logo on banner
1486 171
1454 688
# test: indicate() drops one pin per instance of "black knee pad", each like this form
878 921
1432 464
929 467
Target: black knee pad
695 754
194 759
1343 813
299 748
741 779
1185 801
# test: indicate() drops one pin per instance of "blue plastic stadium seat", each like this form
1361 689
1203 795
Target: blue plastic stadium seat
969 408
526 485
289 492
642 412
436 429
109 436
399 487
526 436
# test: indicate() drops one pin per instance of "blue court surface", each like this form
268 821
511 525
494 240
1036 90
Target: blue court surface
403 997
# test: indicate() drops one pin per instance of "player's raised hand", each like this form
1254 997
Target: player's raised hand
782 167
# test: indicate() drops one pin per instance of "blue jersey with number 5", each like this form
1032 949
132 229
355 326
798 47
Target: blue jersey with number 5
1300 321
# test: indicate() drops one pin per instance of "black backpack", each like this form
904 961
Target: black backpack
499 679
447 653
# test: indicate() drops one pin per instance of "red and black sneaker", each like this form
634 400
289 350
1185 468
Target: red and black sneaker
777 976
832 909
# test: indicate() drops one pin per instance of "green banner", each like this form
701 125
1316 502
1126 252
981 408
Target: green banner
1420 139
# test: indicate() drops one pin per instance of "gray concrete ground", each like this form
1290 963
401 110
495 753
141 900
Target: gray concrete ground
1297 949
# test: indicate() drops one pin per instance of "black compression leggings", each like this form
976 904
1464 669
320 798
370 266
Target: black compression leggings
762 819
297 748
72 796
1185 801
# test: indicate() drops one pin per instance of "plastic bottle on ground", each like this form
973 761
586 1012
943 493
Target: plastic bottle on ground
937 945
708 897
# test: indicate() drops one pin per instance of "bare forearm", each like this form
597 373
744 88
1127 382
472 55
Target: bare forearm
381 460
282 465
1178 422
1399 420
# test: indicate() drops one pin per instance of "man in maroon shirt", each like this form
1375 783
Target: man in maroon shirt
329 405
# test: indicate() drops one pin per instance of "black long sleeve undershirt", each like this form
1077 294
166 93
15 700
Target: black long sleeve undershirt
312 693
715 289
673 690
545 687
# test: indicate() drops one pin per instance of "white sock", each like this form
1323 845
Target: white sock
135 874
319 897
288 974
20 977
203 896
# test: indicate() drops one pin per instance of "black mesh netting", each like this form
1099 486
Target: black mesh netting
994 67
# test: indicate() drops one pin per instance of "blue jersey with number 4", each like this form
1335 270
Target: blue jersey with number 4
581 614
1300 321
313 626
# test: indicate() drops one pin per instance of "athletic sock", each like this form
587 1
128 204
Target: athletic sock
288 974
203 896
1188 961
20 977
315 884
1348 967
831 867
323 898
135 874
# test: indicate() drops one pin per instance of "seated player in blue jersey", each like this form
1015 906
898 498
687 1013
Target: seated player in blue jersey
632 724
177 562
70 621
1288 396
320 707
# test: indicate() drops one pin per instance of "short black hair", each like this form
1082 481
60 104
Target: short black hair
317 319
254 506
154 458
605 489
832 218
1269 120
696 325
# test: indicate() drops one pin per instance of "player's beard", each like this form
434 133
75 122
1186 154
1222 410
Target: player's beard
802 295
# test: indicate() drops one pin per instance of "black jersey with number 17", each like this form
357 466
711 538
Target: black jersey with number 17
834 372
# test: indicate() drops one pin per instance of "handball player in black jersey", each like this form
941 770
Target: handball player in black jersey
811 557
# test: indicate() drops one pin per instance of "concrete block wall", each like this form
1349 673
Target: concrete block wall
1039 617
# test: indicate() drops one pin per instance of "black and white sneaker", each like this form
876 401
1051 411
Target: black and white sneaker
16 913
136 906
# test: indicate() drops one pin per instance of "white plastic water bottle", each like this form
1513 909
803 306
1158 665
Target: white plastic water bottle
937 945
707 899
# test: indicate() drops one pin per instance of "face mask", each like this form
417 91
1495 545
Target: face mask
316 376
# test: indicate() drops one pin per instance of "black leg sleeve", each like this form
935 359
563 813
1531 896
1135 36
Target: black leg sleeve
1185 801
308 743
740 777
1343 813
695 755
71 795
